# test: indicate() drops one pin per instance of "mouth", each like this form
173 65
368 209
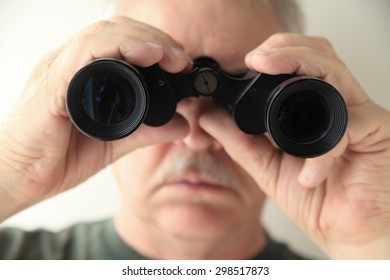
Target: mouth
194 182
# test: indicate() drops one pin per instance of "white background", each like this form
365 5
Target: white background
359 30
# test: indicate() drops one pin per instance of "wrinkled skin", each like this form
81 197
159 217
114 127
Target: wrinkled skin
341 200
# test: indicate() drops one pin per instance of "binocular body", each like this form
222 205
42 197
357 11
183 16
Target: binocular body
305 116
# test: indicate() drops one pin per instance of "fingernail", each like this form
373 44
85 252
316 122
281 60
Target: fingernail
263 52
305 177
190 61
154 45
178 52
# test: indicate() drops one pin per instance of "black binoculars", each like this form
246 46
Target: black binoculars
305 116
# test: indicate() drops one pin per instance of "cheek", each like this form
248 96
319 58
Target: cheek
133 172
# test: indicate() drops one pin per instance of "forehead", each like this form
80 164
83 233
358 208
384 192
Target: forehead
223 29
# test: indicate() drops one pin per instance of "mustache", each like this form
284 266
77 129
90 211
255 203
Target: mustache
207 165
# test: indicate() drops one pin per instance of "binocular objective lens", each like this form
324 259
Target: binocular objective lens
108 99
304 117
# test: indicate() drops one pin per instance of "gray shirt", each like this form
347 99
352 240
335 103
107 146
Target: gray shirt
91 241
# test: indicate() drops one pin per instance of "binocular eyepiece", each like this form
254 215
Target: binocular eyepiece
305 116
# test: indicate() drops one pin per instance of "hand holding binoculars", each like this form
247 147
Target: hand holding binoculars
305 116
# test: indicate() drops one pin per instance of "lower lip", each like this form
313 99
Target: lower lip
198 187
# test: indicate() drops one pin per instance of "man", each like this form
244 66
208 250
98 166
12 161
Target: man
194 188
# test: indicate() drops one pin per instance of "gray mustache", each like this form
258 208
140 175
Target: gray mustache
207 165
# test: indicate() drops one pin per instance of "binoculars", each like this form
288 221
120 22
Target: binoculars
108 99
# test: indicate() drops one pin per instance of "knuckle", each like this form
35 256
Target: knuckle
83 39
280 39
339 64
100 26
325 44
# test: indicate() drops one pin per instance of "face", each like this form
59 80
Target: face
191 188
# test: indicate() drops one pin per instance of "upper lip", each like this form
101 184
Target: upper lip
194 178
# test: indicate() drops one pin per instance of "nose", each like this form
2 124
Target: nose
197 139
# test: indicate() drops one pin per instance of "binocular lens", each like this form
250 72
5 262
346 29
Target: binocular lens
107 99
306 117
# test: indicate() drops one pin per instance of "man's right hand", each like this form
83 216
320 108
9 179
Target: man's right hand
41 152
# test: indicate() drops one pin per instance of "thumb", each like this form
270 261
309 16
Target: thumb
175 129
253 153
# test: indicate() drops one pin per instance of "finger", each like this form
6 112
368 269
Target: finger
174 58
173 50
281 40
121 39
125 40
309 62
368 130
145 28
317 170
366 133
176 129
76 56
255 154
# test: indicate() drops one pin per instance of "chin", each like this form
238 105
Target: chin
198 221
